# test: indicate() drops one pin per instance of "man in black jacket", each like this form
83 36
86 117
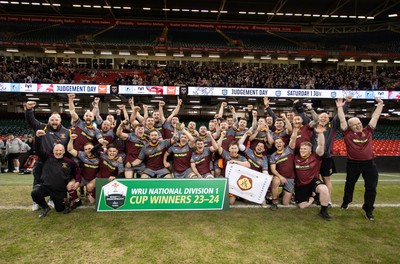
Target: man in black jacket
57 172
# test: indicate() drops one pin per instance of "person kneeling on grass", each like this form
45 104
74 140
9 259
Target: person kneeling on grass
59 175
307 165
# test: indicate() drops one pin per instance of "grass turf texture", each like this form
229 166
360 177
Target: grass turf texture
236 236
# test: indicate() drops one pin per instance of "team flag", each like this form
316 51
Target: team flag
247 183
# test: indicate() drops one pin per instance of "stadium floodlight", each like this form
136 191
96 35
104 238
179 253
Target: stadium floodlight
343 16
213 56
96 6
14 3
116 7
56 4
87 6
362 17
196 55
365 60
352 16
124 53
370 17
107 7
279 14
76 5
205 11
325 16
349 60
127 7
178 55
288 14
224 12
4 2
166 9
35 3
382 61
160 54
25 3
396 61
334 16
142 54
316 15
147 8
195 10
298 15
242 12
212 11
46 4
271 14
333 60
105 52
307 15
12 50
392 15
50 51
283 58
176 9
248 57
316 59
185 10
260 13
251 13
265 57
299 59
69 52
87 52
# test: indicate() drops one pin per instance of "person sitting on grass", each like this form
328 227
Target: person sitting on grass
59 175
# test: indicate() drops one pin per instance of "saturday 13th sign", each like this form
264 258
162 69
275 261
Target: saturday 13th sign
161 194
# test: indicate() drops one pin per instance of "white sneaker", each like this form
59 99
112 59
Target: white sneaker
50 203
16 171
35 206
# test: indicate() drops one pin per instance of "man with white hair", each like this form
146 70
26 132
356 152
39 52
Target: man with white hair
360 157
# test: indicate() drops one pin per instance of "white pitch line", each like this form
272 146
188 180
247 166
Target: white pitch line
389 175
247 206
363 180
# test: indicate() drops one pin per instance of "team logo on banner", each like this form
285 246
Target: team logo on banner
114 89
278 93
115 194
244 183
224 92
333 94
183 90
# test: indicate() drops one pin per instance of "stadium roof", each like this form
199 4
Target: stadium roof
304 12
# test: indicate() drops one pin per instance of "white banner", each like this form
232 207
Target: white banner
247 183
54 88
285 93
154 90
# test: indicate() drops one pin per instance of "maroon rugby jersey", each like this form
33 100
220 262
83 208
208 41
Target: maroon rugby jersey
359 145
307 168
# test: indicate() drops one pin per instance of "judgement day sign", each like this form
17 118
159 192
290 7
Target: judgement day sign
161 194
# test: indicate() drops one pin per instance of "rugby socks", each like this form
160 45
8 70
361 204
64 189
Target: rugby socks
74 195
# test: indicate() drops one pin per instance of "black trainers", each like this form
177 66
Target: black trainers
344 206
325 215
76 204
369 216
274 206
44 212
67 210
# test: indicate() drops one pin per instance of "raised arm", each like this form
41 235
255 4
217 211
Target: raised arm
120 133
96 111
161 105
268 108
288 125
71 107
175 112
341 116
377 113
221 109
30 118
320 141
293 138
242 147
70 146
